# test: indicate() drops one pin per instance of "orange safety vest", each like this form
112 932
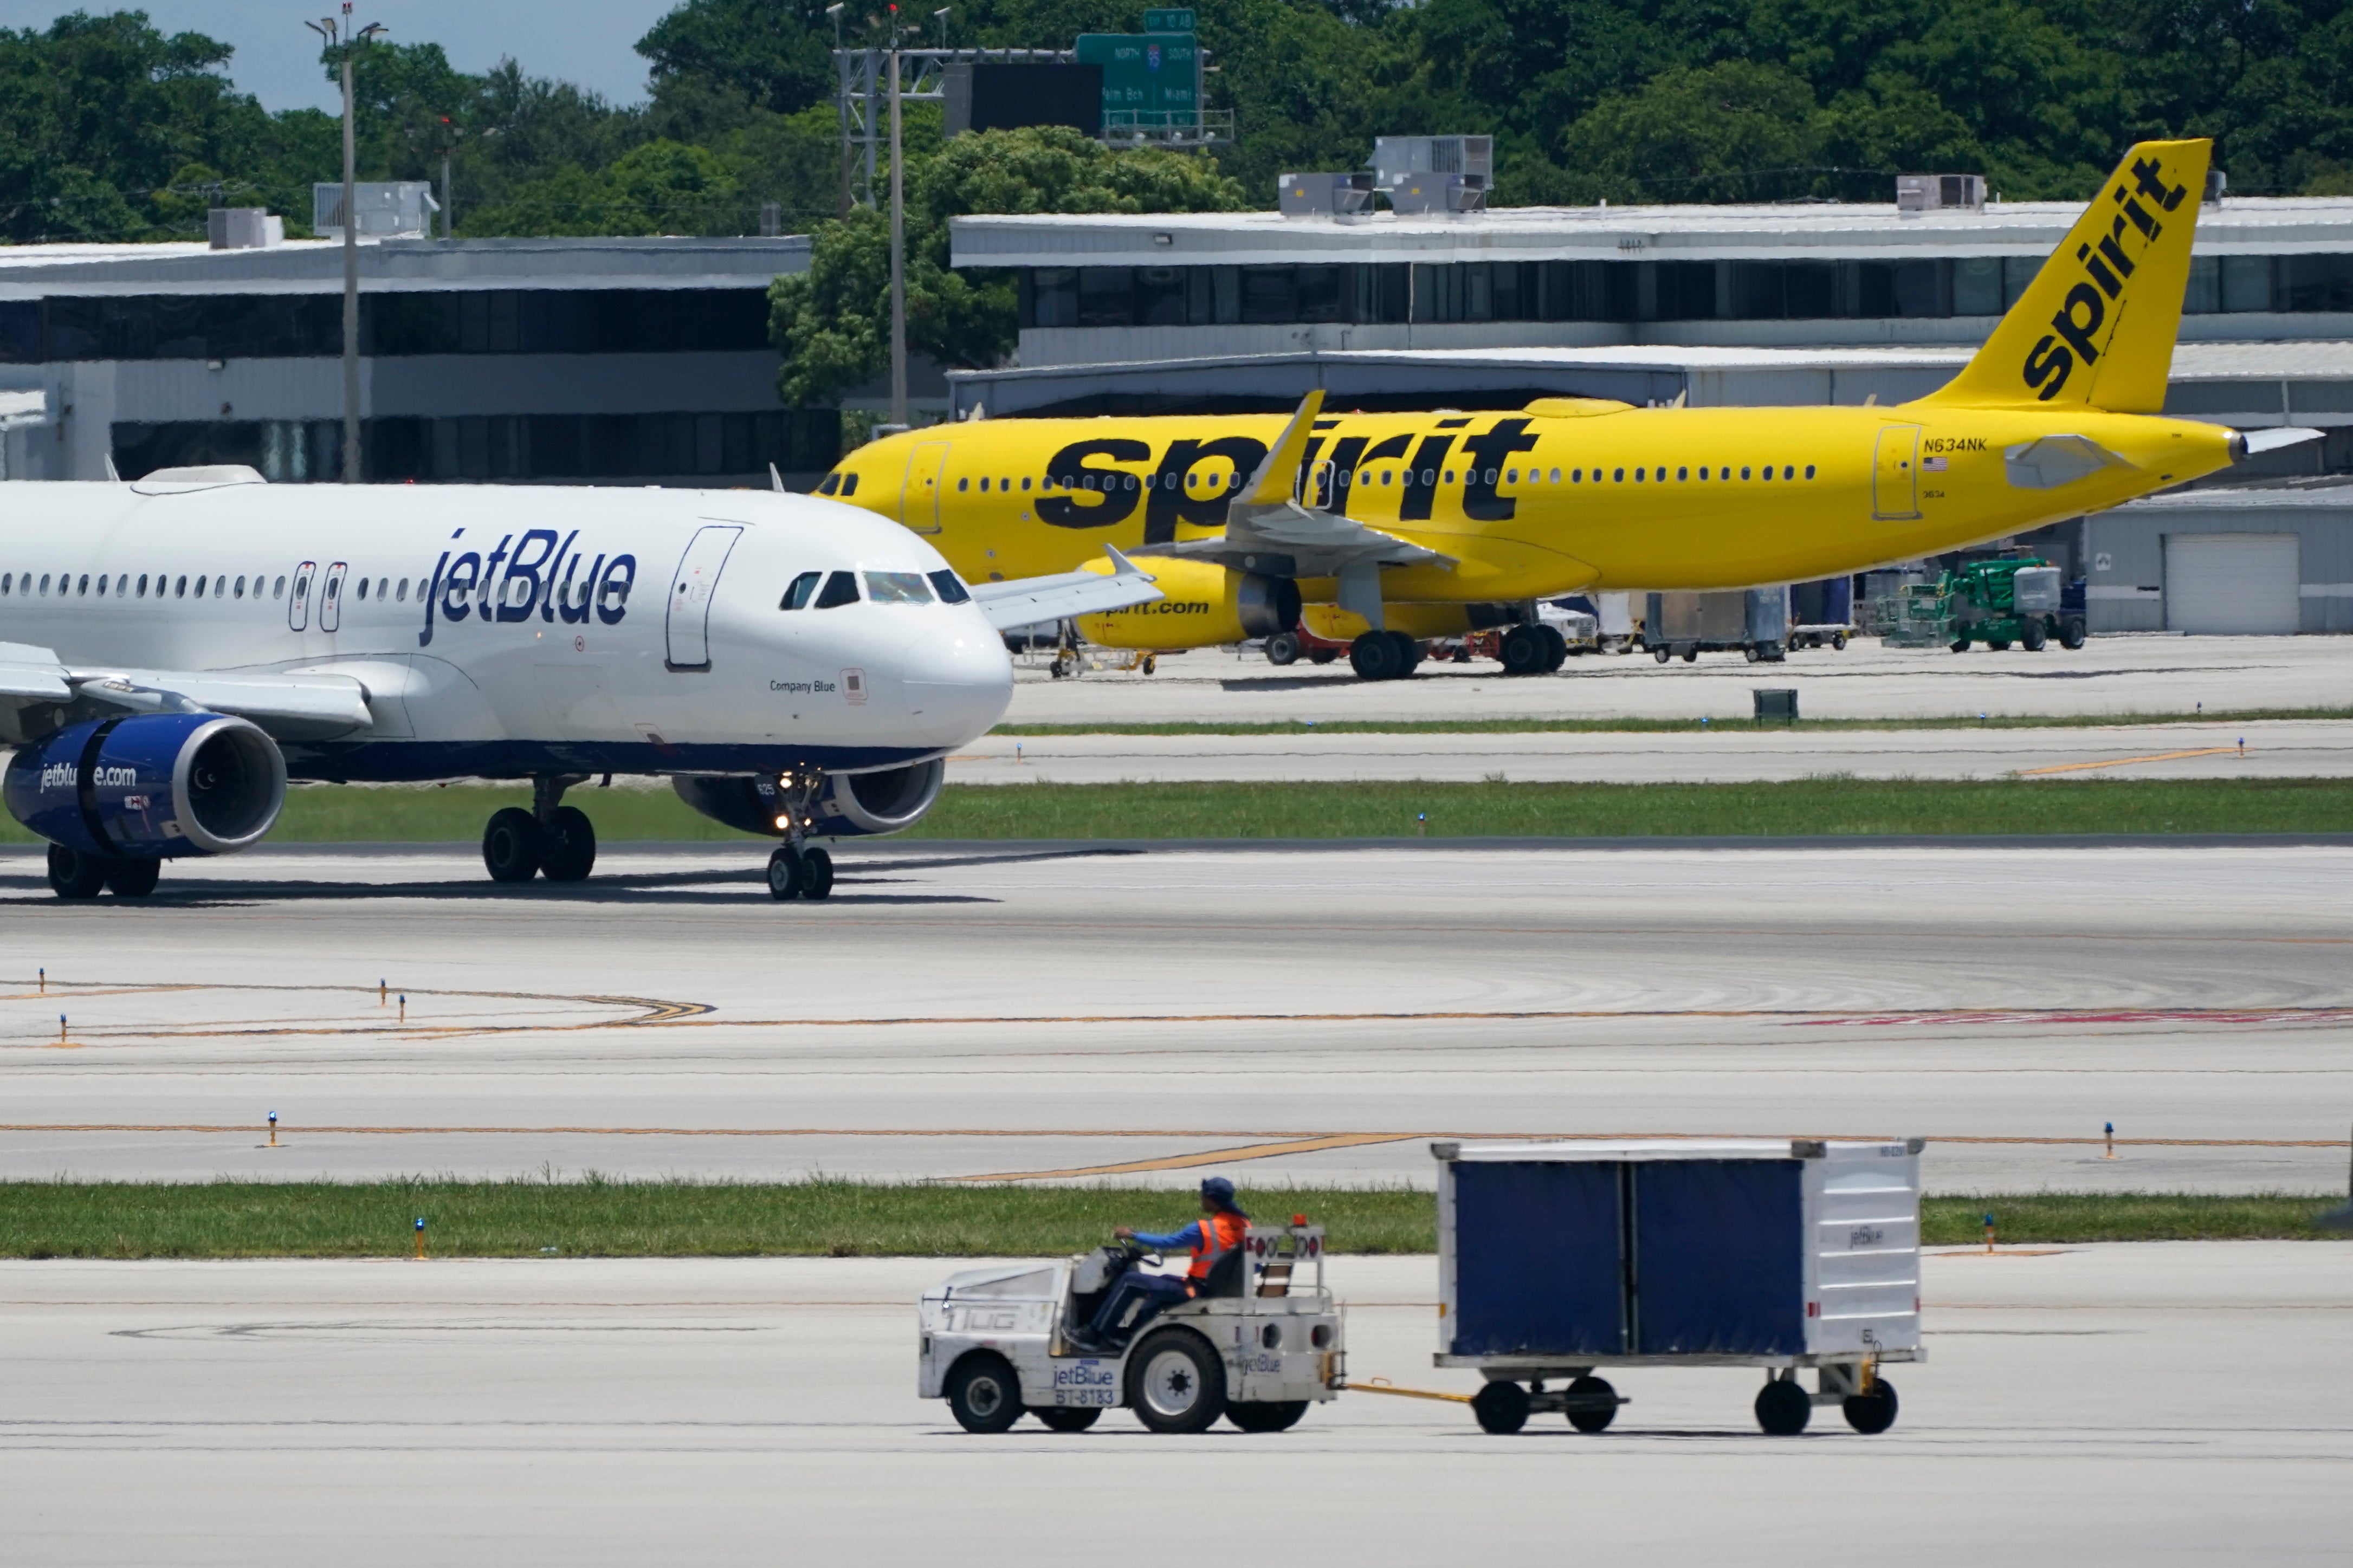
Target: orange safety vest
1220 1233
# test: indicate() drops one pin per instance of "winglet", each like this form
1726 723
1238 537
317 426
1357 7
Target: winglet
1122 567
775 479
1278 477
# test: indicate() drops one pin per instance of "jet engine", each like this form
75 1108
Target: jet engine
152 787
850 805
1206 604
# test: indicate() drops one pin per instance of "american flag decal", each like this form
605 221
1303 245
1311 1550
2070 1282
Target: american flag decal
1934 465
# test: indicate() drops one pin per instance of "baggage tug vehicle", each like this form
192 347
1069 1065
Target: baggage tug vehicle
1261 1343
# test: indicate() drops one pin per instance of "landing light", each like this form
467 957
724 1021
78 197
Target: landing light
784 822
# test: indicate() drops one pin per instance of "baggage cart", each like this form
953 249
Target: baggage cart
1558 1261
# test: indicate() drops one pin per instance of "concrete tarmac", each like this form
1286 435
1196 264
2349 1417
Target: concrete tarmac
2146 673
1285 1013
2080 1404
2261 749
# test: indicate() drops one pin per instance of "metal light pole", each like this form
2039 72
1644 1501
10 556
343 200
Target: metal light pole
940 17
342 36
841 103
897 247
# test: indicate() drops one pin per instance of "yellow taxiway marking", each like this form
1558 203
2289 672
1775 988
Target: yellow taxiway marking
2124 762
1204 1157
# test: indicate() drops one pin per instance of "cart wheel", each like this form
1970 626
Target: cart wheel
1691 655
1175 1382
2071 635
985 1392
1837 641
1151 663
1266 1416
1601 1407
1502 1408
1999 646
1752 652
2034 638
1783 1409
1069 1418
1960 645
1663 653
1874 1412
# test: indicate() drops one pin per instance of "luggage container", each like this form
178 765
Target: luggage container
1558 1260
1752 621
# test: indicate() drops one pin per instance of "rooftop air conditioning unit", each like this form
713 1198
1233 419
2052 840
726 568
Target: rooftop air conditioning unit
242 228
1324 195
1939 193
1439 194
388 209
1397 159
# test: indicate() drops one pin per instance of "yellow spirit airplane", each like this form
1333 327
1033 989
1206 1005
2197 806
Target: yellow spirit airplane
1389 528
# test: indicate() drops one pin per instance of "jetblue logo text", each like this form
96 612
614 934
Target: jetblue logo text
538 575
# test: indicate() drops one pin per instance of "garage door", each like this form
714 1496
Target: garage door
2230 583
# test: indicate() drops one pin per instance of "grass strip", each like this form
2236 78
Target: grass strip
607 1218
1713 725
1832 806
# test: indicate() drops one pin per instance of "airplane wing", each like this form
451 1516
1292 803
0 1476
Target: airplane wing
1267 529
29 674
1026 601
291 707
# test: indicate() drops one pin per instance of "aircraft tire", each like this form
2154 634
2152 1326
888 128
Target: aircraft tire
1409 654
1555 648
1524 650
512 845
1373 657
785 873
74 875
816 873
568 853
132 878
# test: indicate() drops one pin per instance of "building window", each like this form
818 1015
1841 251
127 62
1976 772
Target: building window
1106 297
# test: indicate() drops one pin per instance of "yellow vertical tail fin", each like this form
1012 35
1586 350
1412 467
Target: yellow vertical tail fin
2096 327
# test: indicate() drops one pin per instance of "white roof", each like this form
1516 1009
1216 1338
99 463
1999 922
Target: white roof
316 266
2263 226
1620 1149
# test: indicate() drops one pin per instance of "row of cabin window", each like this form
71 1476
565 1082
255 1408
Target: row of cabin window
840 588
1429 477
12 582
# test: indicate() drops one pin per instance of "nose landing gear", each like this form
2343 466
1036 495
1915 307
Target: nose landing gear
556 841
798 870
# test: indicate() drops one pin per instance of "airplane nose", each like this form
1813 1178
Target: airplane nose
959 682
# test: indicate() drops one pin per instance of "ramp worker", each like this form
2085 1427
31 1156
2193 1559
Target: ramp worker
1220 1230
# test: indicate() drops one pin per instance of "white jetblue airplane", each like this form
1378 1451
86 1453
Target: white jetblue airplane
174 650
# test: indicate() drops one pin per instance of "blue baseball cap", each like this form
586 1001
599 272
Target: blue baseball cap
1219 1193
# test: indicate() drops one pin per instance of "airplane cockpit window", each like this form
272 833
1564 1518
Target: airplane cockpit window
829 484
951 588
849 484
802 589
898 588
840 589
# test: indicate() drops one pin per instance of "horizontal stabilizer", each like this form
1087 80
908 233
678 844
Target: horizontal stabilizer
2254 443
1030 600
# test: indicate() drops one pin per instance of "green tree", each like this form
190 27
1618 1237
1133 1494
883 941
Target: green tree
833 321
661 187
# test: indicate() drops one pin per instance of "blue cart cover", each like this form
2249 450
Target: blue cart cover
1536 1258
1718 1265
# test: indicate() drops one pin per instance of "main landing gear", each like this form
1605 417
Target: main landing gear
558 842
74 875
1533 648
799 869
1384 656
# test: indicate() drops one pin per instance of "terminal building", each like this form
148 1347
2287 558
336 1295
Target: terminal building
1786 304
546 361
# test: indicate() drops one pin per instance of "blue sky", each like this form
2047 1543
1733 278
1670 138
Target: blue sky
586 41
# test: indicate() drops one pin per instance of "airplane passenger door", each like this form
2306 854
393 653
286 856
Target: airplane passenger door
1896 474
921 498
331 599
298 597
689 623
